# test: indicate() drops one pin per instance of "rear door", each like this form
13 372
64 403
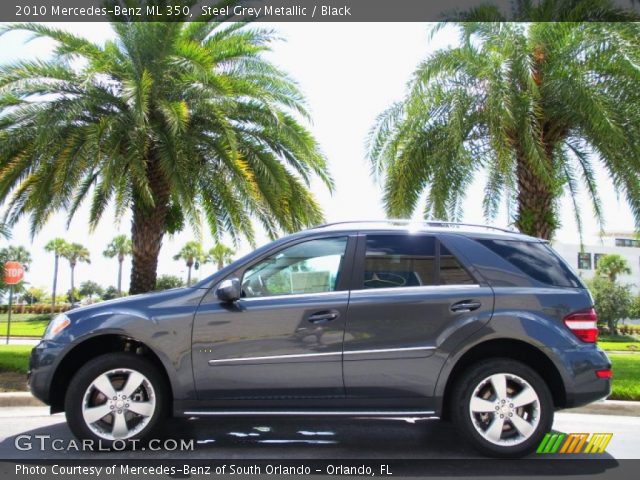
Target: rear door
410 296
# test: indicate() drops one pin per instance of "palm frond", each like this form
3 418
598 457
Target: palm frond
540 103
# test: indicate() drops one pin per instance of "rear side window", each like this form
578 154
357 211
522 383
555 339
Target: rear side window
535 259
399 261
411 261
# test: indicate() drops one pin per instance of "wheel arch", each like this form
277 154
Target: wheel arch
91 348
514 349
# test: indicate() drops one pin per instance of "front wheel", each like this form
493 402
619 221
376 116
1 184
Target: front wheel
503 407
117 397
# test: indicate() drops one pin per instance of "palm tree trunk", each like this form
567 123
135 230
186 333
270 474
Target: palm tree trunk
55 282
72 295
220 265
120 260
536 200
188 275
536 209
147 230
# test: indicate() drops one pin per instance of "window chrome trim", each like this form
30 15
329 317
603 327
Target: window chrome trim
323 354
297 295
422 288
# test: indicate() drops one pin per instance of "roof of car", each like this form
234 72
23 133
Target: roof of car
475 230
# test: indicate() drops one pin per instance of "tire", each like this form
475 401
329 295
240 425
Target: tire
125 420
499 423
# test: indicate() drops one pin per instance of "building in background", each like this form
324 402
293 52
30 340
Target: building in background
585 260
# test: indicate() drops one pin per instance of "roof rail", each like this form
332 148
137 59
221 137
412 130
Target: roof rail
430 223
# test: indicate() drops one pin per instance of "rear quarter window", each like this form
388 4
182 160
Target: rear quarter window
537 260
451 270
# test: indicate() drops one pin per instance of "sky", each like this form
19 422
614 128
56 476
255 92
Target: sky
349 73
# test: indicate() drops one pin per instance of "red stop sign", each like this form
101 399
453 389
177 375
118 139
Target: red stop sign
13 273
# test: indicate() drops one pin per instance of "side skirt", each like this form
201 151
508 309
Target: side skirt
309 413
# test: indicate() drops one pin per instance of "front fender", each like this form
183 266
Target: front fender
163 322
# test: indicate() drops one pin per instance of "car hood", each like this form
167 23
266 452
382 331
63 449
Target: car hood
131 302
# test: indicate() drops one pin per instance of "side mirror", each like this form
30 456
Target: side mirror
229 290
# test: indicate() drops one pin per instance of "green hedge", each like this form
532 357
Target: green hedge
36 308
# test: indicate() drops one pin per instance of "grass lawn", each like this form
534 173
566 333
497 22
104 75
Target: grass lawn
623 343
626 376
14 358
25 324
24 329
619 346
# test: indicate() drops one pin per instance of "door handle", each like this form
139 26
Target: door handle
323 317
465 306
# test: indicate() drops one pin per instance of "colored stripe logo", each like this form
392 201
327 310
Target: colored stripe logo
574 443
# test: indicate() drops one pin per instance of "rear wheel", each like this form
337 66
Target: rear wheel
115 397
502 407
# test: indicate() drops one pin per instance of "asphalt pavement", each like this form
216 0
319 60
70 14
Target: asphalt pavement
297 438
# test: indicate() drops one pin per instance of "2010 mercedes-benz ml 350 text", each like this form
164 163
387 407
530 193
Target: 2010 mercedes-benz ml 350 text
486 327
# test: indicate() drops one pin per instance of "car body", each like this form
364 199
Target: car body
356 318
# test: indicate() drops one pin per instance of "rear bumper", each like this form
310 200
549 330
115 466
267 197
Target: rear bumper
582 385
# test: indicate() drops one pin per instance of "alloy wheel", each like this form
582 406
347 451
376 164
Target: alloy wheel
505 409
118 404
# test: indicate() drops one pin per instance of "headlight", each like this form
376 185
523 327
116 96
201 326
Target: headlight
55 326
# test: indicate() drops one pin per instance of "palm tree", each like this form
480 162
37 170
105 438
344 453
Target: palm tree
534 106
549 11
171 120
193 254
119 247
57 247
75 252
4 231
613 265
18 254
90 288
34 295
221 254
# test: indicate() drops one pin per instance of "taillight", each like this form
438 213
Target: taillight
584 325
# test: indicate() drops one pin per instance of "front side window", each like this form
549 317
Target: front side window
308 267
399 261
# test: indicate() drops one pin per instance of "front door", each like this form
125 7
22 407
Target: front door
283 338
410 297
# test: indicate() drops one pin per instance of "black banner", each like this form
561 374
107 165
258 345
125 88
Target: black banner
353 468
311 10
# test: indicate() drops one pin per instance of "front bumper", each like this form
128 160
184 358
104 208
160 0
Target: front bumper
41 369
